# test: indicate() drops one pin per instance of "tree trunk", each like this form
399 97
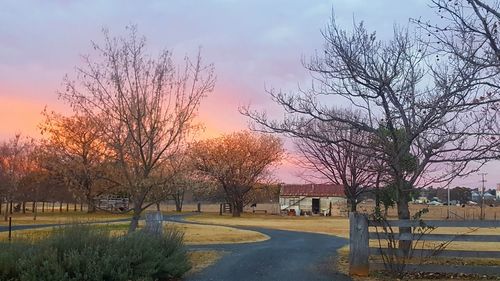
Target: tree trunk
33 207
53 206
134 223
178 207
237 208
158 207
91 207
60 207
353 205
23 205
404 214
179 200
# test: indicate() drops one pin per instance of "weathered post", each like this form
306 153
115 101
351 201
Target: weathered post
199 207
358 244
220 209
154 223
10 228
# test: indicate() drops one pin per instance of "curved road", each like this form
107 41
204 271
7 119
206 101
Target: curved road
287 256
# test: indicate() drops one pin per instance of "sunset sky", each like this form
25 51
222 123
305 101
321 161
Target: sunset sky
253 44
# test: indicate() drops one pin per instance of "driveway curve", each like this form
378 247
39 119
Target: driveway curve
287 256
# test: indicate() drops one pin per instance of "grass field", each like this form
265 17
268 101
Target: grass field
59 218
193 234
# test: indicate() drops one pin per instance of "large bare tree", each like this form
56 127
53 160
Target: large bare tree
237 163
144 105
427 120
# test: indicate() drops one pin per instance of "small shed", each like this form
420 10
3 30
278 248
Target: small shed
310 198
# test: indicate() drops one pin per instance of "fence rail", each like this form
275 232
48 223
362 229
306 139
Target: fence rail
360 250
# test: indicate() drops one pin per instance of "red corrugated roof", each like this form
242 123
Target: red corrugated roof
312 190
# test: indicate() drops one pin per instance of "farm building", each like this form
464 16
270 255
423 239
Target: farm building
310 198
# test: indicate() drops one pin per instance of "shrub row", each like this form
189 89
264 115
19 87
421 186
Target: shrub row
80 253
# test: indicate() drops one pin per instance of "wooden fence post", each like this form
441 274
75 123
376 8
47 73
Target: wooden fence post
199 207
358 244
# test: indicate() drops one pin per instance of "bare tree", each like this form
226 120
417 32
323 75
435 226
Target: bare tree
238 163
16 163
427 122
75 153
339 160
144 105
467 31
179 178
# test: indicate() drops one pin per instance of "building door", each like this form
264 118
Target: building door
315 205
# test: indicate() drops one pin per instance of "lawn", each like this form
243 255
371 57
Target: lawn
324 225
61 217
194 234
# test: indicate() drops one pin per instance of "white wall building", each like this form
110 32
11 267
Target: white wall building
311 198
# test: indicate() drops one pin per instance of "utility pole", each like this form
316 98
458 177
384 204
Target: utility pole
482 195
448 211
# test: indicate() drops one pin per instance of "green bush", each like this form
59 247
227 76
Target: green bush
80 253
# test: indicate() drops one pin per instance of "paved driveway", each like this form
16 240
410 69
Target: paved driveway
287 256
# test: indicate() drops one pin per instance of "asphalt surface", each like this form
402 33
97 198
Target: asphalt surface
287 256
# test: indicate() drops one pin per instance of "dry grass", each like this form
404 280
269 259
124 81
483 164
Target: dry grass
59 218
324 225
203 259
193 234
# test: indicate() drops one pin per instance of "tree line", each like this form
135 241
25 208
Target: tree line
130 133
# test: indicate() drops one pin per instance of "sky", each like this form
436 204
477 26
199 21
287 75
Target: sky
253 44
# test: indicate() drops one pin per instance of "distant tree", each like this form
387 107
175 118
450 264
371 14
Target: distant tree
461 194
237 163
16 163
144 105
74 151
338 160
179 175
